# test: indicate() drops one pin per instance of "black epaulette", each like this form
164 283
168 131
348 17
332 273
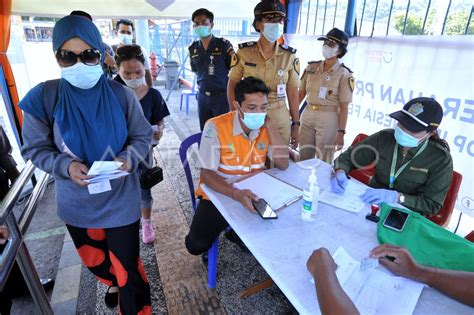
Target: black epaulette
314 62
288 48
247 44
350 71
192 46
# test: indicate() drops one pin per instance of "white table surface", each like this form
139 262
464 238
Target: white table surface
282 246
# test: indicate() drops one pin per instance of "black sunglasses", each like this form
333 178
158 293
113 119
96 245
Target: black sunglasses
67 58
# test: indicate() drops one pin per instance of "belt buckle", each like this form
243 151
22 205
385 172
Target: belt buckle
316 107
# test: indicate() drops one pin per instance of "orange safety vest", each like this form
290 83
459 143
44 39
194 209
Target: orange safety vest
238 155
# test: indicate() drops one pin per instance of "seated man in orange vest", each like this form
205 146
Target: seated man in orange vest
237 143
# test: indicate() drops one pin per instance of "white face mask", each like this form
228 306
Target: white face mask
272 31
329 52
125 39
81 75
134 83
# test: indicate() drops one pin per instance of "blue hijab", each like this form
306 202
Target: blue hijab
92 122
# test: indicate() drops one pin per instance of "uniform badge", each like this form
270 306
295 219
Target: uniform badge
261 146
195 51
234 60
351 83
327 78
296 65
416 109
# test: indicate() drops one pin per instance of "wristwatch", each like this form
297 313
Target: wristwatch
295 123
343 131
401 198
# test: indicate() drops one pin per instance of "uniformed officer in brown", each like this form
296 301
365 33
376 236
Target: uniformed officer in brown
275 64
327 86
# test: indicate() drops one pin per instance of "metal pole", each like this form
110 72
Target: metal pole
406 18
350 18
32 280
389 17
446 17
316 17
324 19
469 21
335 12
362 18
35 197
307 17
375 16
426 17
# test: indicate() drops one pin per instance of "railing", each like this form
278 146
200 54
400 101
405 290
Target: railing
388 17
15 248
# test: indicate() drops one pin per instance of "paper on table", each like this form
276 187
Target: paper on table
277 193
349 200
104 167
374 291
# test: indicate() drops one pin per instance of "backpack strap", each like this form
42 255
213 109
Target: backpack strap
50 99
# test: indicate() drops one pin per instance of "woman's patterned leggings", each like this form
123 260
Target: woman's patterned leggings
113 256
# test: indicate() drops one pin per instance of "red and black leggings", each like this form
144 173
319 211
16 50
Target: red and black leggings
113 256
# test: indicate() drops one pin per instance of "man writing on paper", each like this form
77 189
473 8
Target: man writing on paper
236 143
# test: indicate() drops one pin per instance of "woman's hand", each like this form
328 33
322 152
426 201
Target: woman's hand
125 166
78 173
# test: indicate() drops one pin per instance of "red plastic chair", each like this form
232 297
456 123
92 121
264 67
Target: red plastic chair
470 237
444 215
362 174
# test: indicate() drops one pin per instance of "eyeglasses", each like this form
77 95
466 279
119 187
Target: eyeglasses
129 51
67 58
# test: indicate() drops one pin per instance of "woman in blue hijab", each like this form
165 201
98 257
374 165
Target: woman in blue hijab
73 122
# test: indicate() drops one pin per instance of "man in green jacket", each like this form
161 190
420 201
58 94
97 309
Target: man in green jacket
413 165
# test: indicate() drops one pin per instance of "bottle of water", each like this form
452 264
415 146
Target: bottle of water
310 197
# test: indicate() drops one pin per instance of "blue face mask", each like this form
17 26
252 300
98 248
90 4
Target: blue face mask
272 31
254 120
202 31
405 139
125 39
81 75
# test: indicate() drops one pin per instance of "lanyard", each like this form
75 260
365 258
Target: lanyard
393 174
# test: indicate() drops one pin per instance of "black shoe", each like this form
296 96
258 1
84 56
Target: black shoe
204 258
234 238
111 298
47 283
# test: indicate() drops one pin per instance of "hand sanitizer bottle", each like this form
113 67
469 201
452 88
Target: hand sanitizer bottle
310 197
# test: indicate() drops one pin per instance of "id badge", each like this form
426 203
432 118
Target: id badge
281 90
322 92
211 70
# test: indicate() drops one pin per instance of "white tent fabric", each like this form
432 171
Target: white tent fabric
152 9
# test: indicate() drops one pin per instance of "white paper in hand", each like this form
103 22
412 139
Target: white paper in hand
99 187
104 167
368 263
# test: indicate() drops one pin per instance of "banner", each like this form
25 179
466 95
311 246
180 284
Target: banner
389 71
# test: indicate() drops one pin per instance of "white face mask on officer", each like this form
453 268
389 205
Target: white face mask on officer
272 31
329 52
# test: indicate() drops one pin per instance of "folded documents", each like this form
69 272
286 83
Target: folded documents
105 170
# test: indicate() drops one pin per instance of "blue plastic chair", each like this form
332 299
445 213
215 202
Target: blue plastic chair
213 251
187 94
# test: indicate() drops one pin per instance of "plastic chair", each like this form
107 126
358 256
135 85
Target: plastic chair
470 237
362 174
212 253
444 215
187 94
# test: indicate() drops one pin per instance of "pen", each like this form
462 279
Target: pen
291 201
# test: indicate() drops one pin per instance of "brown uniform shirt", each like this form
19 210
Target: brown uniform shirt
327 88
282 67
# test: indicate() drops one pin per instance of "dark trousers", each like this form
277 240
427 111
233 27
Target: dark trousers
113 256
211 106
206 226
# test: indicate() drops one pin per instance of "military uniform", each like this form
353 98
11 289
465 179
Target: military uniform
212 68
424 182
281 70
319 121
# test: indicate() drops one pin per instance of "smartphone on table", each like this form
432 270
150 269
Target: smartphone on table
264 209
396 220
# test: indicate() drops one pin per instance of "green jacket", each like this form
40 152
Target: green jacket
424 182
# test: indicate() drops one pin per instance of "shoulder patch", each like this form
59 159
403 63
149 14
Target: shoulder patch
350 71
288 48
314 62
439 146
234 60
192 46
247 44
351 83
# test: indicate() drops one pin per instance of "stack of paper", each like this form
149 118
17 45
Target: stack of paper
374 291
276 193
349 200
105 171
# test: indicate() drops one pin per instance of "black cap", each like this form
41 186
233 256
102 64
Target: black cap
269 9
336 35
420 114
